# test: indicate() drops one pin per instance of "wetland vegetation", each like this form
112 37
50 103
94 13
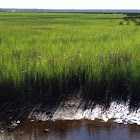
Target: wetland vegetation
50 55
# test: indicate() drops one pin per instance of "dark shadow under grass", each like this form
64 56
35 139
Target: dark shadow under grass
50 93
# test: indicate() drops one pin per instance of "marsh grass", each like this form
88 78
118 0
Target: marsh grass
44 55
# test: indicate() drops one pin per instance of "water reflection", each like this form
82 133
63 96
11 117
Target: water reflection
72 130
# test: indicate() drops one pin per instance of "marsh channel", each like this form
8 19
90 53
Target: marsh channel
69 130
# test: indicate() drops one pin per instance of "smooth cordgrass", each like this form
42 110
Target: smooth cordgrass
49 55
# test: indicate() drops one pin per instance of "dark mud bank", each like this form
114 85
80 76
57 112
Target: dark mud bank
74 107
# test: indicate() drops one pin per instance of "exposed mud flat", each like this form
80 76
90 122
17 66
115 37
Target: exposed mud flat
72 118
76 109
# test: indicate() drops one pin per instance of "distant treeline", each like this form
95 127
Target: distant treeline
96 11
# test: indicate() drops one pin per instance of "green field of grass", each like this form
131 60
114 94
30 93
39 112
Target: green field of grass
52 54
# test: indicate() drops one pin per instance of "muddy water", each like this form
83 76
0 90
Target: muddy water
71 130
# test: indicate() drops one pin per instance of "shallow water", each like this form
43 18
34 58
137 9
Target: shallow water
72 130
